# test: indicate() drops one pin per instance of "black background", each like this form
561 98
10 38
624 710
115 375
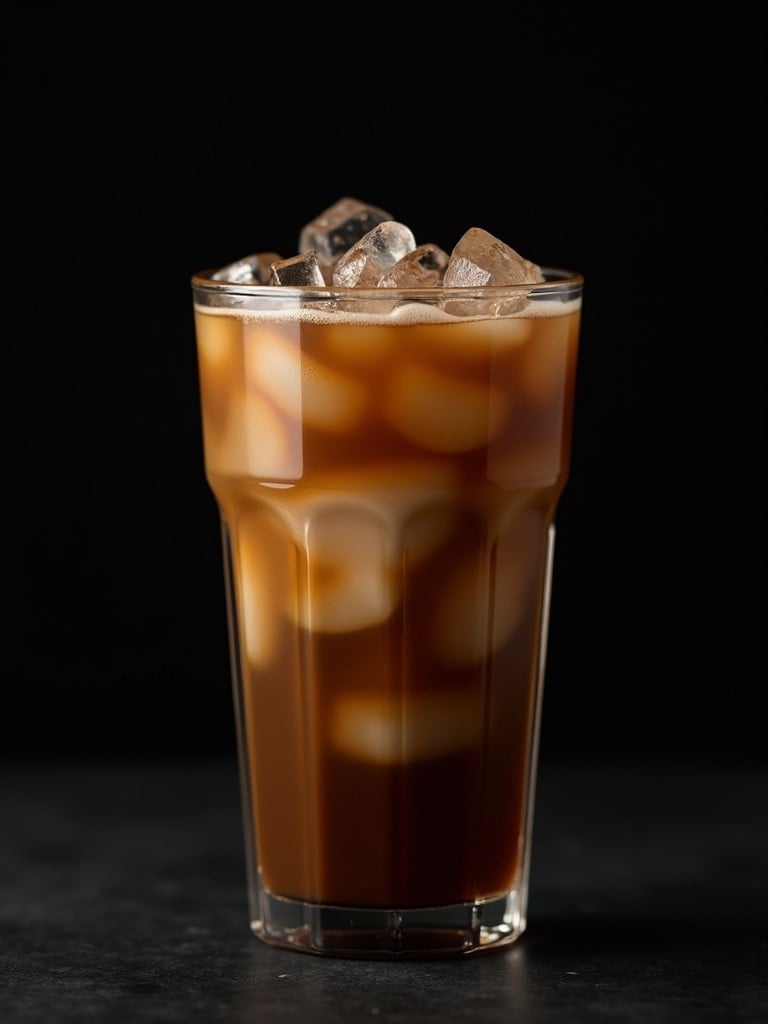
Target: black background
617 144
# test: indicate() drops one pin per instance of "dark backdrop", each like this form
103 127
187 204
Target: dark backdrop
622 147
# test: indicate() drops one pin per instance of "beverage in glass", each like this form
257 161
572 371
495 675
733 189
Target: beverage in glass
387 457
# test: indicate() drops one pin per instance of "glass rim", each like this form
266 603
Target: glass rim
555 280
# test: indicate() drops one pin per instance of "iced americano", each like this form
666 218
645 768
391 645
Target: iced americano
387 433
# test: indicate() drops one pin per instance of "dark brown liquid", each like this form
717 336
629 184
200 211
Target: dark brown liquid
388 493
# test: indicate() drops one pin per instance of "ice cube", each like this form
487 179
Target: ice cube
297 271
444 413
254 269
256 441
479 258
273 367
338 228
310 392
368 260
350 586
418 727
331 400
423 267
406 498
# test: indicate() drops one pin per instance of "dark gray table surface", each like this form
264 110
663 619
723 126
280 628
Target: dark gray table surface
122 898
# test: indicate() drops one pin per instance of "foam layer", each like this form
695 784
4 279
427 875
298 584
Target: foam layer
402 313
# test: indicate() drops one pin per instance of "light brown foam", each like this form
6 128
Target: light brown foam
399 315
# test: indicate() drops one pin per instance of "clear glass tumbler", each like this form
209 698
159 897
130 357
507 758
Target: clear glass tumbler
387 465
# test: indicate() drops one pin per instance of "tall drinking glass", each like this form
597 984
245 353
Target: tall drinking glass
387 465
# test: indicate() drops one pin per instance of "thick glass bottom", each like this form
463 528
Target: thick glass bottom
389 934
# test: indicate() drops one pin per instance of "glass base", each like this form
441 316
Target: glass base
416 933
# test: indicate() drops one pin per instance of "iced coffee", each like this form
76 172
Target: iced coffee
387 432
